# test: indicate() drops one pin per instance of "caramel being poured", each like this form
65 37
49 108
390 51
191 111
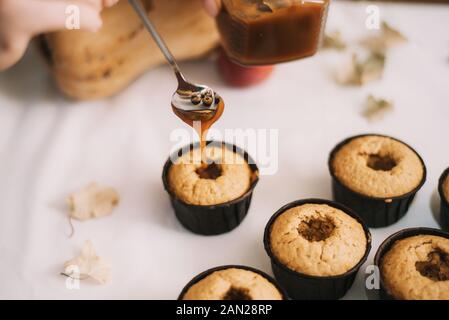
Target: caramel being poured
200 118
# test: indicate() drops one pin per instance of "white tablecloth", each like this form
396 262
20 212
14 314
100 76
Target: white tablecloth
50 146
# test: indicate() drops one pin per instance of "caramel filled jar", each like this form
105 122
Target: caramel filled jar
259 32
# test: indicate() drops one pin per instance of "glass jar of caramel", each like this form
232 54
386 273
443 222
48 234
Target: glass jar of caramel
259 32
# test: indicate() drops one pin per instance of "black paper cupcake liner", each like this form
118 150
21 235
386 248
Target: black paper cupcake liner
444 208
212 219
389 242
301 286
376 212
204 274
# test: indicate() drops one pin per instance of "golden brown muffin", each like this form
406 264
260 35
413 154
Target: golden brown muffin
215 184
379 167
317 240
233 284
417 268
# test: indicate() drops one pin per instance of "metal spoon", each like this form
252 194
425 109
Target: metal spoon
188 96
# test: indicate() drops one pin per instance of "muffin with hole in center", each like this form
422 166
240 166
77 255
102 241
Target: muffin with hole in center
318 240
377 176
417 268
211 196
316 248
232 283
226 177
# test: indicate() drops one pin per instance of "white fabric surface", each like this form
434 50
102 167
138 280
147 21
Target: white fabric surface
50 146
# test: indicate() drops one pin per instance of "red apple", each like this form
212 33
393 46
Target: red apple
241 76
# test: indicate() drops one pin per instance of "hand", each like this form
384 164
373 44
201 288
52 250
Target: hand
20 20
212 6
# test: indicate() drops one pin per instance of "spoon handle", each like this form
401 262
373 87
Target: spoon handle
159 41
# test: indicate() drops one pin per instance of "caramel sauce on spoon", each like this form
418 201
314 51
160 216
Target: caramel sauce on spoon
199 115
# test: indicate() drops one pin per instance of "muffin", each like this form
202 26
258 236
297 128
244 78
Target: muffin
232 283
227 177
377 176
414 265
214 198
316 248
443 188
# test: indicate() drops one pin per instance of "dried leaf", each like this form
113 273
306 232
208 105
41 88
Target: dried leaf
88 265
375 109
373 67
387 38
349 74
334 41
92 202
358 72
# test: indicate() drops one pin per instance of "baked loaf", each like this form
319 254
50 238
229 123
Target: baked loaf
317 240
95 65
417 268
233 284
218 183
378 166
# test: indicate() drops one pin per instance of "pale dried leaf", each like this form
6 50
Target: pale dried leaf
349 74
358 72
373 67
88 265
92 202
334 41
376 108
387 38
392 35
